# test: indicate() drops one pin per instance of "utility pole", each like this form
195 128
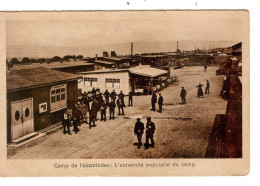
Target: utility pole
132 49
177 48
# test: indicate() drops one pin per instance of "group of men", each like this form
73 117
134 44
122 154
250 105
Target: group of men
149 132
82 110
154 101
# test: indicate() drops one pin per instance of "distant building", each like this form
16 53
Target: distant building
126 80
111 62
36 99
70 67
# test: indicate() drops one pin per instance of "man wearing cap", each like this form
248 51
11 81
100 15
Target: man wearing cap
183 95
150 129
138 131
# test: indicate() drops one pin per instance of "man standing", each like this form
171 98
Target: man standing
65 122
150 129
183 95
120 106
207 87
130 101
113 95
138 131
76 115
103 111
205 67
160 102
121 96
92 117
94 108
94 92
107 94
153 100
112 106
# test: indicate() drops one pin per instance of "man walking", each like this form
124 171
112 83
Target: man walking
153 100
138 131
207 87
183 95
112 106
160 102
150 129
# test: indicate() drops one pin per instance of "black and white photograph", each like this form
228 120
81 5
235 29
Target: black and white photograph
121 85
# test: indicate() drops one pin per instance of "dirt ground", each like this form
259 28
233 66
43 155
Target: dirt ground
182 131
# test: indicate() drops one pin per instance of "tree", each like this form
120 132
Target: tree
80 57
25 60
55 58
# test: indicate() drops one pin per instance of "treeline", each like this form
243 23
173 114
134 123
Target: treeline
27 60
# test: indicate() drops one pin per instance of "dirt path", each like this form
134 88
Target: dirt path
184 134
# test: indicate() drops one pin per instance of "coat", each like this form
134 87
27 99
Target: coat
183 93
160 100
139 128
112 105
150 128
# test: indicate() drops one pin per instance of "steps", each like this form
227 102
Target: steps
24 138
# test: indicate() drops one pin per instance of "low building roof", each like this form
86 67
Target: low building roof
105 71
105 62
146 70
154 56
53 65
29 78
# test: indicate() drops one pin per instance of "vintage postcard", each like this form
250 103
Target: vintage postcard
125 93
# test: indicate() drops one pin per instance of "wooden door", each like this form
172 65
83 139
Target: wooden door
22 118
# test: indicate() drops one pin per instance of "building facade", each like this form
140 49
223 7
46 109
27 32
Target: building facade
36 99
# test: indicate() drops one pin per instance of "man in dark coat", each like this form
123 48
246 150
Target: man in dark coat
138 131
94 92
121 96
107 95
113 95
130 101
65 122
100 101
103 111
120 106
153 100
207 87
76 118
94 107
150 129
92 117
112 106
160 102
183 95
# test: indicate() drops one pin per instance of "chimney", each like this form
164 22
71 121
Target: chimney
105 54
113 53
96 57
132 49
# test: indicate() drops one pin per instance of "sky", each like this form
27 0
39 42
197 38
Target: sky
109 28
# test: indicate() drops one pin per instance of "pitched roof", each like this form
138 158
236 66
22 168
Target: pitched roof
53 65
146 70
28 78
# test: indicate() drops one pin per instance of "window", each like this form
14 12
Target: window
112 83
90 82
58 97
